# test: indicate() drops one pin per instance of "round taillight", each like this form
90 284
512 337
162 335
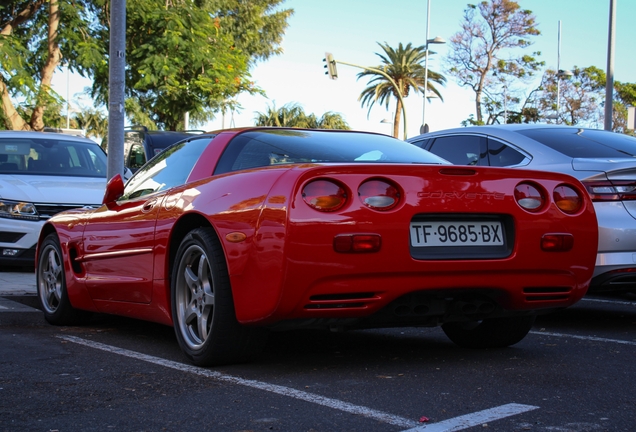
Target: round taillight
529 197
379 194
567 199
324 195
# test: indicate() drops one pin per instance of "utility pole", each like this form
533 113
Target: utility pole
436 40
116 84
609 84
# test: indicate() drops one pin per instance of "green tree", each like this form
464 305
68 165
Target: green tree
293 115
478 54
183 56
625 96
405 67
331 120
192 57
36 36
580 97
93 121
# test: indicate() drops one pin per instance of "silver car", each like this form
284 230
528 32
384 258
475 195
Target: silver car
605 162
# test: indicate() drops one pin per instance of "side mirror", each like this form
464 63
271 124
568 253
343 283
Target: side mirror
114 189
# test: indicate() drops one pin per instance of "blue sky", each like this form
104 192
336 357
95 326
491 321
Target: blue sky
351 30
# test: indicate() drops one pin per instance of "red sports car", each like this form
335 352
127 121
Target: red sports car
227 235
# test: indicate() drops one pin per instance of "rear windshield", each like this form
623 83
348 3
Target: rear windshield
279 147
51 156
585 143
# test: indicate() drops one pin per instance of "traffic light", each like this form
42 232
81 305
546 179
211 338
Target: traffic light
330 65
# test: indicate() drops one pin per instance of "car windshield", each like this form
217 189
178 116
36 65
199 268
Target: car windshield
284 146
51 156
585 143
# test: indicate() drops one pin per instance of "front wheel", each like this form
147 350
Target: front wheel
51 286
202 305
489 333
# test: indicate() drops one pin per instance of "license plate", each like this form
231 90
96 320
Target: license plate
456 233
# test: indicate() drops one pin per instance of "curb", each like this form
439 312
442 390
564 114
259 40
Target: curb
20 311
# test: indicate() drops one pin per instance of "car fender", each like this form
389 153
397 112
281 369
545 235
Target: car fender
69 227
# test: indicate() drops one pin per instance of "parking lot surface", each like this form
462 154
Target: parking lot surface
573 372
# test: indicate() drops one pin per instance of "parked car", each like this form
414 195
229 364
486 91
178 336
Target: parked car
141 144
42 174
227 235
604 161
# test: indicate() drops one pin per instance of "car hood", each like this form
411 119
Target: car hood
52 189
616 169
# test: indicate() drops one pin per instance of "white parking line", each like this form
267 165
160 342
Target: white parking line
475 419
589 338
456 424
284 391
621 302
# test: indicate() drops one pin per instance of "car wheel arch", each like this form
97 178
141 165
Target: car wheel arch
180 229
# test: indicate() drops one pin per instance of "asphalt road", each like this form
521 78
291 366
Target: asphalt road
574 372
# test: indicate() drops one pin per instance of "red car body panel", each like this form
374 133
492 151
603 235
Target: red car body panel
118 257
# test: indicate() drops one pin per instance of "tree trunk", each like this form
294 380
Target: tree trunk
396 120
478 106
52 61
13 121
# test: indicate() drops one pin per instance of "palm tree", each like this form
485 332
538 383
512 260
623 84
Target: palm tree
289 115
406 69
332 120
293 115
93 121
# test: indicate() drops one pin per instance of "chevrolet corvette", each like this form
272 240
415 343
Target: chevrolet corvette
231 234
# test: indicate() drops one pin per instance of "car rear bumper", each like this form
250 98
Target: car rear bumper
614 271
615 267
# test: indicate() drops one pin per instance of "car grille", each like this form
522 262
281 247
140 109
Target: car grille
46 211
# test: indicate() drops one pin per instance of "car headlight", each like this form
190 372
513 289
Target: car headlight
18 210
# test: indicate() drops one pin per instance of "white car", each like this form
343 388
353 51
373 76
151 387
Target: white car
42 174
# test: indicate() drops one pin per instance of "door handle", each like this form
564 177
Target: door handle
148 206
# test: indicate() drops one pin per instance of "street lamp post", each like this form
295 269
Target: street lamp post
561 74
388 121
436 40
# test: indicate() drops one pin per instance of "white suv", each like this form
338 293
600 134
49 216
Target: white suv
41 174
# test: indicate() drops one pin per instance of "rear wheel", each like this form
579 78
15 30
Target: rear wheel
489 333
51 286
202 305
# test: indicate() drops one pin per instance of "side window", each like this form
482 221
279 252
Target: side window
502 155
244 152
168 169
136 157
459 149
422 143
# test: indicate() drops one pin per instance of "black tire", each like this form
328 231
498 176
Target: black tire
51 286
203 308
489 333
